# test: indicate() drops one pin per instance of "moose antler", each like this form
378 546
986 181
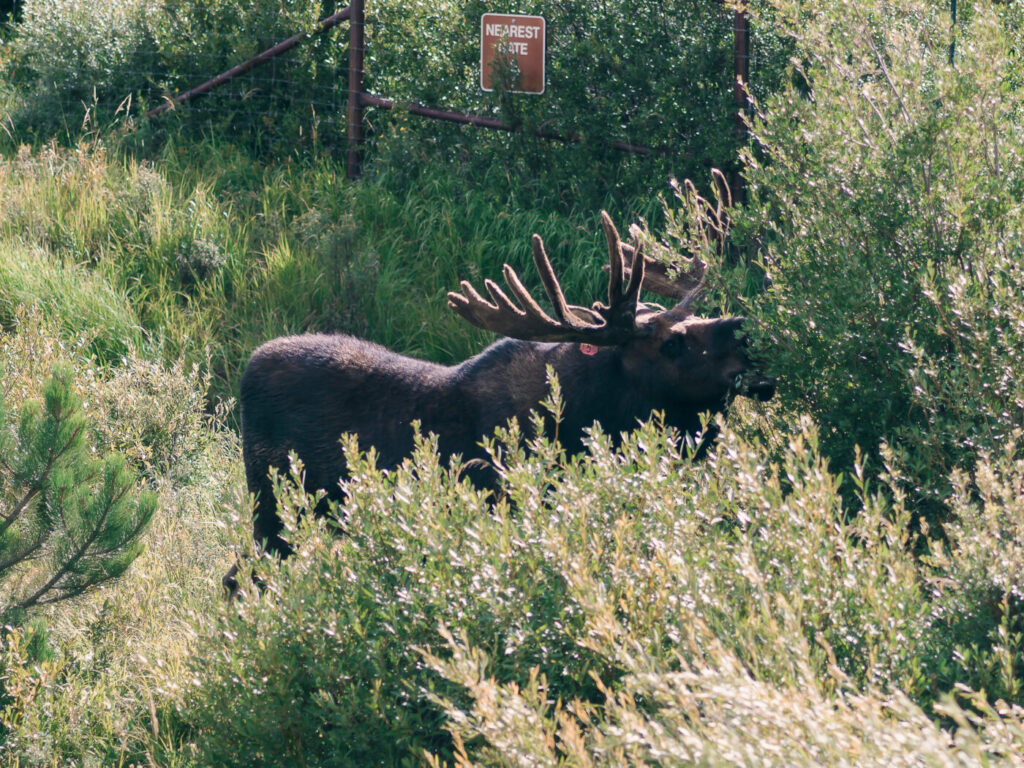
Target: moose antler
709 232
657 279
602 324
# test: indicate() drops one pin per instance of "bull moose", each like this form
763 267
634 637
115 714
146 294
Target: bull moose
616 362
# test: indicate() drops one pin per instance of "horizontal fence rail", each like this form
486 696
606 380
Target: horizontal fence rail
261 58
480 121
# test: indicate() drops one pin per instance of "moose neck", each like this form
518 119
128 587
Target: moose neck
605 391
595 387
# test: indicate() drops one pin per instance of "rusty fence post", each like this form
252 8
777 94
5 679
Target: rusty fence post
356 47
741 57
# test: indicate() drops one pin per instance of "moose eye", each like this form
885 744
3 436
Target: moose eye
674 347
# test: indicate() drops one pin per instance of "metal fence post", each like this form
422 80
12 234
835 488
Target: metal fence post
741 36
355 88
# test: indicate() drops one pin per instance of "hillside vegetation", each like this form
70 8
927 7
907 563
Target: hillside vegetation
838 582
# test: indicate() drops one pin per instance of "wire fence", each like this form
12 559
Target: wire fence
675 82
356 99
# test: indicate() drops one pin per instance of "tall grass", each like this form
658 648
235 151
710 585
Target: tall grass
298 249
81 302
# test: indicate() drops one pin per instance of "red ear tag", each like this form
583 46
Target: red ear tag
588 349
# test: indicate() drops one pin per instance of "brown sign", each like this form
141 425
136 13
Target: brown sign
512 52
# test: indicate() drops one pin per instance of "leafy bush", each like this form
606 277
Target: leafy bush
25 669
199 260
884 196
72 59
624 583
293 99
976 582
150 413
79 65
153 415
710 712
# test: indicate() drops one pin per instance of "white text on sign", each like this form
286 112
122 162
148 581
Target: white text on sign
513 30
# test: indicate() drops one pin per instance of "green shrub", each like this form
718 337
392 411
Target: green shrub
199 260
976 582
78 63
150 413
153 415
293 100
594 580
81 65
884 198
26 668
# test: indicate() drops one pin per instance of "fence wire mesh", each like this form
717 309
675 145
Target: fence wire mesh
655 74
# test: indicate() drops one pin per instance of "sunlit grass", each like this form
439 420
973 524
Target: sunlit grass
303 249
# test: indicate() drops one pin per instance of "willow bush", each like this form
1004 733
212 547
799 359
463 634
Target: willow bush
883 221
618 607
73 65
78 65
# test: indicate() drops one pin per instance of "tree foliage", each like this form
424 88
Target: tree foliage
884 214
68 521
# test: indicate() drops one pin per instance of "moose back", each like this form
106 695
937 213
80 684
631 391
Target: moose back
616 362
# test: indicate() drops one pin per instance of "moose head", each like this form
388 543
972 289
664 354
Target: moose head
675 356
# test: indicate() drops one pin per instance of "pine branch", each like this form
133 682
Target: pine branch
115 499
26 554
83 515
54 456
